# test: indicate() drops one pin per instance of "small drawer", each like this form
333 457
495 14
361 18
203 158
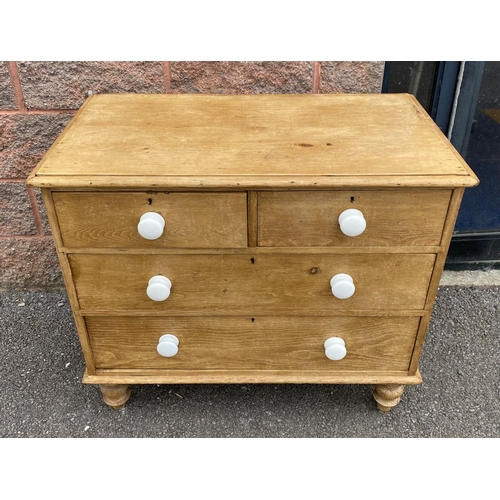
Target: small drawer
393 218
190 220
253 343
266 284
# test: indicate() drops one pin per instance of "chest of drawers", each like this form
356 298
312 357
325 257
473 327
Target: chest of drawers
252 239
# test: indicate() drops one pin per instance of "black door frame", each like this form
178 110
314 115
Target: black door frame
454 98
478 249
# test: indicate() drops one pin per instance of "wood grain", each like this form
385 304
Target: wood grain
69 282
388 395
239 284
252 218
260 343
298 312
115 395
148 376
409 217
130 136
252 251
192 220
251 182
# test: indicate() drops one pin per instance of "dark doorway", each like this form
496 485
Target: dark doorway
464 100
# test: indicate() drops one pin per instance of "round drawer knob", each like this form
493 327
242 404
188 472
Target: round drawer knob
168 345
151 226
159 288
335 348
352 222
342 286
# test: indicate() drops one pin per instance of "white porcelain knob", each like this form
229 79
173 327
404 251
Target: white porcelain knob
342 286
352 222
151 226
335 348
168 345
159 288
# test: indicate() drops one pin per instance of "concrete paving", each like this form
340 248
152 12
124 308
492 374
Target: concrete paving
41 394
487 277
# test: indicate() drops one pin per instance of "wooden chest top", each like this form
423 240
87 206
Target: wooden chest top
243 142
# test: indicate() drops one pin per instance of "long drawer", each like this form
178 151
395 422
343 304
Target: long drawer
392 217
192 220
257 343
245 284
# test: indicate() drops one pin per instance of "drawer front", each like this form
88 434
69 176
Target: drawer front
260 343
252 283
192 220
393 217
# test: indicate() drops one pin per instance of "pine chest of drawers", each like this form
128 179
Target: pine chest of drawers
240 239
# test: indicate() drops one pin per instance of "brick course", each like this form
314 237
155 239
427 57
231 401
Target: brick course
242 77
65 85
7 95
16 213
24 139
351 77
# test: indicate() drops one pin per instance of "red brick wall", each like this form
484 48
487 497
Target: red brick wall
37 99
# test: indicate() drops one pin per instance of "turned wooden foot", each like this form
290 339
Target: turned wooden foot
115 395
387 395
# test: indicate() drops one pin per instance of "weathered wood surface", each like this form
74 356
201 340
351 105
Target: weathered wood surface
260 343
238 284
138 136
192 220
406 217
